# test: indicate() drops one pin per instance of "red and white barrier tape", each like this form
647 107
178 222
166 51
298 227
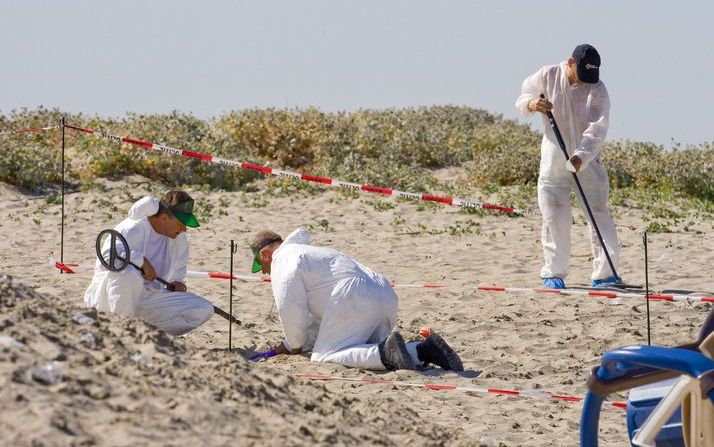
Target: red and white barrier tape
607 294
222 275
71 267
29 129
453 201
65 268
74 267
532 394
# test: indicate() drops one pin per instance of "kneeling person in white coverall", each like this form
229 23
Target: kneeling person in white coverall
341 309
580 104
155 231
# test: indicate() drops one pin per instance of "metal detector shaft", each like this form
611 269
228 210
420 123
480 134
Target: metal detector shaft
112 266
561 142
222 313
168 285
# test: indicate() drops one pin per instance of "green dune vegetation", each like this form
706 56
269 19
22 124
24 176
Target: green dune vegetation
398 148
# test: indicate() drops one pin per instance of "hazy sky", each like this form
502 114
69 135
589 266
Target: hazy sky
209 57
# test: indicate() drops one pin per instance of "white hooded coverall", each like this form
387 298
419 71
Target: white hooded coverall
330 300
127 293
582 112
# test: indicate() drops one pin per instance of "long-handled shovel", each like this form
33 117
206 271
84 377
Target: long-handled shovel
117 263
559 137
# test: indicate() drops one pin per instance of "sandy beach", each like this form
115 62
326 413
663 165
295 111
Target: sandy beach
127 384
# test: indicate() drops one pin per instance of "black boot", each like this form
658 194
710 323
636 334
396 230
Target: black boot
393 353
436 351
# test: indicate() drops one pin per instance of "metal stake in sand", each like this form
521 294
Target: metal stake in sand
117 262
230 300
647 287
62 218
561 142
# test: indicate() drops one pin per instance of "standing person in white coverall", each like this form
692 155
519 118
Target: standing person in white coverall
156 233
580 104
341 309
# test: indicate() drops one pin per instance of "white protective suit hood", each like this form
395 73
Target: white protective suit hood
299 236
145 207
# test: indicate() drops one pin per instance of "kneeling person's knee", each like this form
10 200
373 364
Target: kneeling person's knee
200 313
193 316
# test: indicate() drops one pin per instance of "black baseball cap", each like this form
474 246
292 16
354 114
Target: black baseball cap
587 60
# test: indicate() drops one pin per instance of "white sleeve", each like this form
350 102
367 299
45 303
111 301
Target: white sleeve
179 259
531 89
311 335
135 234
598 122
136 238
291 301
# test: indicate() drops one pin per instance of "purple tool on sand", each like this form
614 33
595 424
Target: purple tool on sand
263 355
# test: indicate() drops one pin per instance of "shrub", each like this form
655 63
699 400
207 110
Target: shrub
393 148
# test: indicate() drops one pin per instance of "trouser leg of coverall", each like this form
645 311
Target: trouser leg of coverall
596 187
117 292
352 327
174 312
554 204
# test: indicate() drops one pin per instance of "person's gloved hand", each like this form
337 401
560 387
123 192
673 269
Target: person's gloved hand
540 105
263 355
177 287
574 164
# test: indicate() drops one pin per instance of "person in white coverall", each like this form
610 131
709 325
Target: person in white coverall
580 104
156 234
341 309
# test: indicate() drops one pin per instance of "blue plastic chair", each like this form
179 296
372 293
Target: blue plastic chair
625 368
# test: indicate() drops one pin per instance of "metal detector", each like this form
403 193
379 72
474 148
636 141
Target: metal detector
118 260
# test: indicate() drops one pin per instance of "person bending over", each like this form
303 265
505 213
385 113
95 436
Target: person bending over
579 101
341 309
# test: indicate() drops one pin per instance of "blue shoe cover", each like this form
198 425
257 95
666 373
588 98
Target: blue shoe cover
609 281
553 283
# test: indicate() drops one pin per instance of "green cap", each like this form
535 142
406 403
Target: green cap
188 219
181 206
256 264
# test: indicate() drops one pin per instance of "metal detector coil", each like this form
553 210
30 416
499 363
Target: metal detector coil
115 262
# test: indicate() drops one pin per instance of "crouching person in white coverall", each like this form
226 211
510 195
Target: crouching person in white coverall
580 104
341 309
155 231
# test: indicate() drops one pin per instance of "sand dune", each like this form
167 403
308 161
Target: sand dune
137 386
